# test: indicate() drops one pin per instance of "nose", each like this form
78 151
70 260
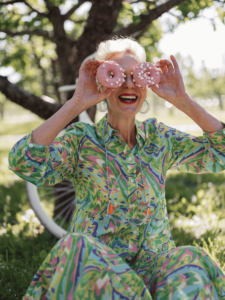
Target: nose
128 82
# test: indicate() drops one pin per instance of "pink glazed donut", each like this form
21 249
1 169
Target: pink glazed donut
146 74
109 75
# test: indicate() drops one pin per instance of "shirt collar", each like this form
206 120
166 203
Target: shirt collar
109 131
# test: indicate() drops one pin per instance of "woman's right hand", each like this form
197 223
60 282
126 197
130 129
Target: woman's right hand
86 92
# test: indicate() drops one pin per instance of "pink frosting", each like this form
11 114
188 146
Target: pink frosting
110 74
146 74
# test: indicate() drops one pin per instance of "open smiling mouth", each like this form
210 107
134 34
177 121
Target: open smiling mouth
128 99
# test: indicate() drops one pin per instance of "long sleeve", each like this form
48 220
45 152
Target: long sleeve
201 154
47 165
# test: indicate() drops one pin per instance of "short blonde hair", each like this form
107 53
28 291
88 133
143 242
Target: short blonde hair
120 44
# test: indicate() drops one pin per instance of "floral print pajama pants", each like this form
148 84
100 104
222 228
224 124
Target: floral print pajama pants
82 267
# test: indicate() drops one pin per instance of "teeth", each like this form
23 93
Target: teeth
128 97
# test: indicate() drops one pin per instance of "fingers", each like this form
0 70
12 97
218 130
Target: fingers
162 66
90 67
165 65
176 66
109 91
90 64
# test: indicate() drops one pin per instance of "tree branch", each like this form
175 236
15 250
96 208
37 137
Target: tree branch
27 100
146 20
48 4
37 31
73 9
80 21
181 18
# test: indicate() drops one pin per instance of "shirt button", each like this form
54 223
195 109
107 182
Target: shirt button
130 158
31 145
132 180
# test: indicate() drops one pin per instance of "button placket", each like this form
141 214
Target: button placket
131 170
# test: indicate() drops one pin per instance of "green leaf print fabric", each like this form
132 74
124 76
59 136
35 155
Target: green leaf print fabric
123 256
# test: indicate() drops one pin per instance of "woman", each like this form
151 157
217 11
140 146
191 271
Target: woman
127 253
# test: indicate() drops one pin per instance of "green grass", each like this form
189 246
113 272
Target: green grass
196 207
12 129
195 204
20 258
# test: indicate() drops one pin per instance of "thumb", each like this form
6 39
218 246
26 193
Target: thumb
108 91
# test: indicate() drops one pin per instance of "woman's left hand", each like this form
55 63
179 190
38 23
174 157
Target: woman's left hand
171 86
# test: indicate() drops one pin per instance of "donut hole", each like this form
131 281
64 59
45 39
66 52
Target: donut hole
148 75
110 74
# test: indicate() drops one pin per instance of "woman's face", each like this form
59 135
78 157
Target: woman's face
127 61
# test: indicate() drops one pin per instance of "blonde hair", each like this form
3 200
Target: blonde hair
120 44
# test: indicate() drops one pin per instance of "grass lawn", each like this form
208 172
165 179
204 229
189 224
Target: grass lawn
196 207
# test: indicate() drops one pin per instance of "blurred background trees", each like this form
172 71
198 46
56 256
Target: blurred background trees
46 41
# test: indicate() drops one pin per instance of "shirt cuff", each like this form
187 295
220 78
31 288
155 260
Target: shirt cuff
216 134
31 145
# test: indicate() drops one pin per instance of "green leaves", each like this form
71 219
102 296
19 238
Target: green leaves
221 13
136 19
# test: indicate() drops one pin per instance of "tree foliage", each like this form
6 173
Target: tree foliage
46 41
